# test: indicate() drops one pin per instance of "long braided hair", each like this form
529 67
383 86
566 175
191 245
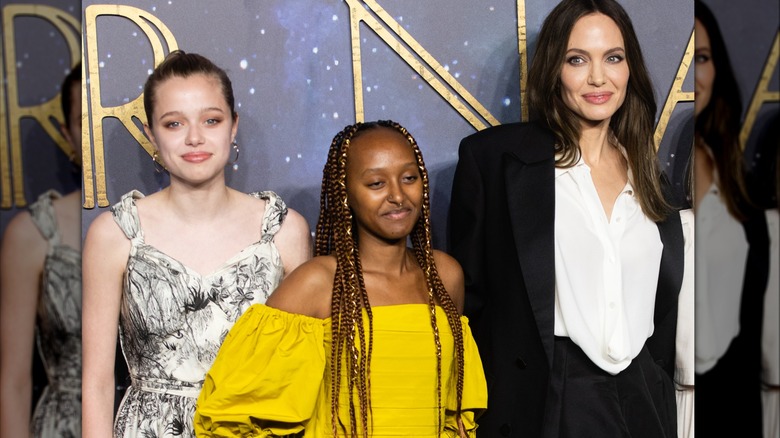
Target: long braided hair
352 343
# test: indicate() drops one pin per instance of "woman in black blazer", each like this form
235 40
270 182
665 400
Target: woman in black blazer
573 258
732 263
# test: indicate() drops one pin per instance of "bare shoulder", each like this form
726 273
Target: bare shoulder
105 241
22 237
151 207
21 228
294 241
308 289
451 275
295 224
104 227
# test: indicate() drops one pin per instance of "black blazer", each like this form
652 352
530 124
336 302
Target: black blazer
502 217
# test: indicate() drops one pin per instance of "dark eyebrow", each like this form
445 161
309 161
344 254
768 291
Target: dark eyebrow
380 169
174 113
585 52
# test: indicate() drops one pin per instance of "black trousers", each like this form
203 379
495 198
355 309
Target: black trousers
730 393
585 401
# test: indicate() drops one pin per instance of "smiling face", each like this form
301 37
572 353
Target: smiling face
384 187
192 128
594 76
704 72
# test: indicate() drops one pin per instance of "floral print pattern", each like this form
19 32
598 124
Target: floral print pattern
58 329
173 320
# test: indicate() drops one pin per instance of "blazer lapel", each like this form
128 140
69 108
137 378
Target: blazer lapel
672 266
530 188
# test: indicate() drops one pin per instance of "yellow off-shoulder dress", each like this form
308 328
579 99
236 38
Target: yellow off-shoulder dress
272 377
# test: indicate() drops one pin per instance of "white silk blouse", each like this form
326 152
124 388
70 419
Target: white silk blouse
606 270
721 256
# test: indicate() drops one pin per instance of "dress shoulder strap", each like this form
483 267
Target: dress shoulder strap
42 214
275 212
125 214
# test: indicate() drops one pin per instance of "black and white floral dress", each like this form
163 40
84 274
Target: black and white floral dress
58 329
173 320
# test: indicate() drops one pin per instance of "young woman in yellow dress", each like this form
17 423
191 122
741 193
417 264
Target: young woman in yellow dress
368 337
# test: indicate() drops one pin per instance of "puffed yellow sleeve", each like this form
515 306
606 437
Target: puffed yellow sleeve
266 378
474 400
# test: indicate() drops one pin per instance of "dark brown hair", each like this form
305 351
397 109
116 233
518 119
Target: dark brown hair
181 64
632 124
718 124
336 235
66 94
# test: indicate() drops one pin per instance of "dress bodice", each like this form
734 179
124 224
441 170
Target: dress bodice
58 328
173 320
273 376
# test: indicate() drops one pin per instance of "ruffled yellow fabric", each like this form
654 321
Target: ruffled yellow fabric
265 378
272 377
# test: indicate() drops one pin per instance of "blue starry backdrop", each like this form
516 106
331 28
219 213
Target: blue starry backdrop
42 58
291 67
751 32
